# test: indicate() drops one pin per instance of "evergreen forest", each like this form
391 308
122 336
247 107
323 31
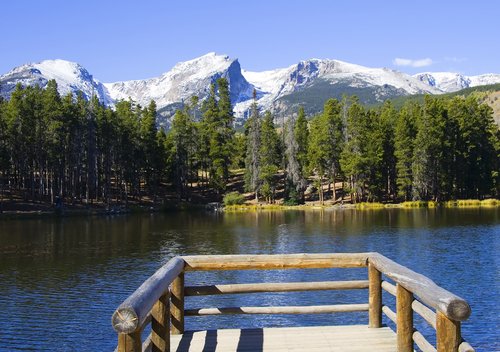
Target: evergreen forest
65 149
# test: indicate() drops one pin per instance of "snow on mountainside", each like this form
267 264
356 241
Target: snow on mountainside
70 78
281 83
185 80
308 83
449 82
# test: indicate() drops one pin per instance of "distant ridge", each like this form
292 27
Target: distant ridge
308 83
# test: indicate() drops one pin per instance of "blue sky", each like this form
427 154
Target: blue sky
121 40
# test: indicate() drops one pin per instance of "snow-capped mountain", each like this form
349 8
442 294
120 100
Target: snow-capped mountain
185 80
327 78
451 82
70 78
308 83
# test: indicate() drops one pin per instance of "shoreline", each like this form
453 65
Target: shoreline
217 207
467 203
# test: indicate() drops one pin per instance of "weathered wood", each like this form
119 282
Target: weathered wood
352 338
130 342
375 297
390 314
422 342
160 324
177 307
279 310
447 334
388 287
465 347
431 294
426 313
278 261
404 316
274 287
130 315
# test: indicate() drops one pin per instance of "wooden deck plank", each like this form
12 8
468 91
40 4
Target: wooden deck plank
354 338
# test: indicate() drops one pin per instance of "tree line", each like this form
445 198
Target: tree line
55 148
441 149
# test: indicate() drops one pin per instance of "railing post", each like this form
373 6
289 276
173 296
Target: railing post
448 333
404 317
160 324
177 307
374 296
130 342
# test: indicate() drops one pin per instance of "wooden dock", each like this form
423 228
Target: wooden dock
159 302
355 338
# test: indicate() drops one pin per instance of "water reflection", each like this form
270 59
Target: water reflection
61 279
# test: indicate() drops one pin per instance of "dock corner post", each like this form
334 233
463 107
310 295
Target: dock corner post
160 324
130 342
404 318
448 333
374 297
177 307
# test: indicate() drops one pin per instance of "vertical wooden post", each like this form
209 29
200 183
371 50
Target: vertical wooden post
130 342
177 307
404 317
160 324
374 297
448 333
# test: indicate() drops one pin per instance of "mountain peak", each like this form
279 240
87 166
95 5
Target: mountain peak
308 83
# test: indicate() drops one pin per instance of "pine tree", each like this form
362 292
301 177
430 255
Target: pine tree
252 160
325 145
317 159
404 144
388 118
295 182
428 162
301 132
352 157
181 138
150 148
475 148
269 157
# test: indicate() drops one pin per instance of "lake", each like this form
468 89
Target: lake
61 279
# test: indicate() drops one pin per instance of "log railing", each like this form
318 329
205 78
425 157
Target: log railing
159 301
415 293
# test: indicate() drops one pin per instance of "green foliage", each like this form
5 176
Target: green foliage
404 143
301 132
326 141
80 151
270 157
252 160
233 198
217 133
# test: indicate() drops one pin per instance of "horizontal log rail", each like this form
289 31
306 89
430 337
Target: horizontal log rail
422 342
426 313
338 308
388 287
276 261
159 301
274 287
390 314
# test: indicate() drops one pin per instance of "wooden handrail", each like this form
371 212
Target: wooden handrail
431 294
274 287
275 261
338 308
160 299
130 315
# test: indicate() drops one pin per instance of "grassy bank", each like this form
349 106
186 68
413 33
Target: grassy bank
466 203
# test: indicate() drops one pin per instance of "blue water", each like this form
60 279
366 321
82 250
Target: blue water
61 279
